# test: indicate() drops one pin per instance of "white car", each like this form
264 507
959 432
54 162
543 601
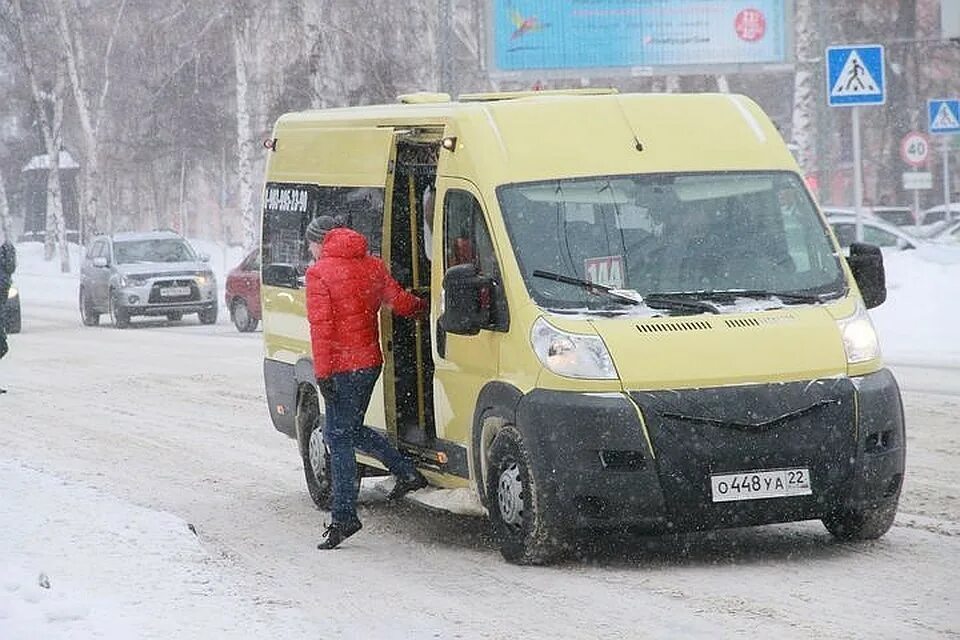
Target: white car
891 238
948 233
899 216
940 215
882 234
930 221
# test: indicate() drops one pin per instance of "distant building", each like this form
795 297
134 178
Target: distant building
34 196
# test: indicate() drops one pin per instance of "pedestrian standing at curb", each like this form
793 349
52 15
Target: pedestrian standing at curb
346 287
8 264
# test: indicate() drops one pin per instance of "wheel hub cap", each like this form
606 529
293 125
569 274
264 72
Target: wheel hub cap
318 451
510 495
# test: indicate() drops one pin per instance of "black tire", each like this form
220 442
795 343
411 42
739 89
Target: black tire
861 524
314 453
242 320
521 525
175 316
121 318
208 316
88 315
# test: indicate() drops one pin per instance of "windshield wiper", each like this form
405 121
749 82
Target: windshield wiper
677 301
730 294
592 287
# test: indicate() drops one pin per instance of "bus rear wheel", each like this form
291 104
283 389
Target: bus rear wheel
315 454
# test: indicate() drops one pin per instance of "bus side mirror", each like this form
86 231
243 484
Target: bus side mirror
281 275
466 300
866 263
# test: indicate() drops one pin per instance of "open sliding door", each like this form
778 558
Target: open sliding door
341 171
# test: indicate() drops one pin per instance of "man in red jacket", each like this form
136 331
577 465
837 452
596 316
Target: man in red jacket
345 290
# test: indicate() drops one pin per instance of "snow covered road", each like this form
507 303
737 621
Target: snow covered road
172 418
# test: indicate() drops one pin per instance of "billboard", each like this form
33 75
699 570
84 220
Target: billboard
575 37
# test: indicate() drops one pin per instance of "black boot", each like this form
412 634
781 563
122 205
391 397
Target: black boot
406 485
337 532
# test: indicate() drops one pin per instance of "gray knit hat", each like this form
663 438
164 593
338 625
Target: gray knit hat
319 226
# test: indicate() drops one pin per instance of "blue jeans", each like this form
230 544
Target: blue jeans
346 396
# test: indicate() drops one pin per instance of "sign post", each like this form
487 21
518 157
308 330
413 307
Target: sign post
914 150
856 76
944 118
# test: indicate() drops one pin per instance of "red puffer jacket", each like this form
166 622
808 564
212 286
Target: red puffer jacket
345 289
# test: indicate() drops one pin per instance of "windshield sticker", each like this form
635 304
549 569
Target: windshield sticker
605 270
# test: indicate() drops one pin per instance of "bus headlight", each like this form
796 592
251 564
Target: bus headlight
859 337
571 355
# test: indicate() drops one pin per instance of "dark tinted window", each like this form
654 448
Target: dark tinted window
154 250
99 249
899 217
252 263
879 237
846 233
289 208
467 239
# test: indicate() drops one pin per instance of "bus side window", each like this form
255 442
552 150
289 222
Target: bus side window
466 239
461 211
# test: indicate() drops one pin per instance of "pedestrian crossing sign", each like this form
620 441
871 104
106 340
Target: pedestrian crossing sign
944 116
855 75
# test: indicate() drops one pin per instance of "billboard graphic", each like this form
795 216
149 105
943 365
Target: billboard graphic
535 35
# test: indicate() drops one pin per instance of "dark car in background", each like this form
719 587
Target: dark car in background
242 292
155 273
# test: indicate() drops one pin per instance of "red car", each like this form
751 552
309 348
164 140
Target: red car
243 292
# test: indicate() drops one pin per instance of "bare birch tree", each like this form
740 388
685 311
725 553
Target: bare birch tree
6 228
244 134
804 94
51 126
90 109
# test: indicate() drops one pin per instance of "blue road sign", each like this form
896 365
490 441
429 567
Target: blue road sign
944 116
855 75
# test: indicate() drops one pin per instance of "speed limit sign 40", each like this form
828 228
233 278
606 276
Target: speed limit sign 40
914 149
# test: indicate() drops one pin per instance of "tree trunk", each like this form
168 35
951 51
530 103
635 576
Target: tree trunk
89 116
324 56
244 135
50 126
900 105
804 94
6 229
55 226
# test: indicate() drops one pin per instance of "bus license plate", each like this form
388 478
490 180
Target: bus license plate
754 485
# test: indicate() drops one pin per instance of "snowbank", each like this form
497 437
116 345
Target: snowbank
916 323
78 563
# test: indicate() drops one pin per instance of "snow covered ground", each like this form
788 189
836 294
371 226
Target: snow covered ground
143 494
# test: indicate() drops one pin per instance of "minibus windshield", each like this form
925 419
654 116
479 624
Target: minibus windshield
706 235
